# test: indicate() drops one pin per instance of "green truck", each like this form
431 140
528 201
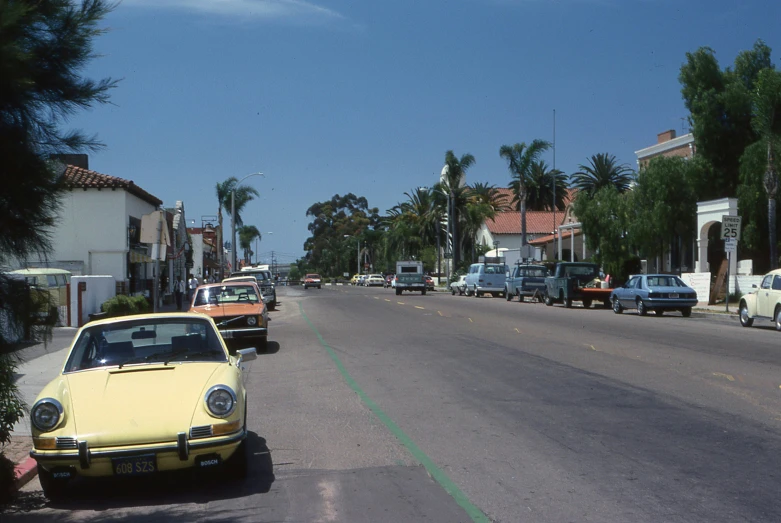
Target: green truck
575 281
410 277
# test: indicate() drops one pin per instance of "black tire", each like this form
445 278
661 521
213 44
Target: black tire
641 309
686 312
507 295
568 303
398 292
659 312
262 344
272 305
778 318
587 304
53 489
743 314
547 299
424 291
476 294
520 296
318 286
452 291
617 307
606 304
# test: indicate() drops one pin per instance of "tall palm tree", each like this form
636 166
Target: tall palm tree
453 186
247 235
540 188
767 123
244 195
520 158
603 171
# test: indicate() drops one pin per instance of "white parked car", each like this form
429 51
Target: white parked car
375 280
458 286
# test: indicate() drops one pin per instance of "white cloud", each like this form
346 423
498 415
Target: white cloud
293 9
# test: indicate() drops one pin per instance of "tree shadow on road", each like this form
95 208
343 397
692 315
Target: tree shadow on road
157 497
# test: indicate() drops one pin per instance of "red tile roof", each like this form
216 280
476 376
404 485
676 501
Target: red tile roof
537 222
79 178
549 238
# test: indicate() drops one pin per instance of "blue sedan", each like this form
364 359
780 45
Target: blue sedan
654 292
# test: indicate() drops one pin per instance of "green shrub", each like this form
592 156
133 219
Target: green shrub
122 305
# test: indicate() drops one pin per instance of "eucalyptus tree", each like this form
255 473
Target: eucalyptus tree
767 124
540 188
520 159
603 170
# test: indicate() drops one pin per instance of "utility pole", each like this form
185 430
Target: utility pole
554 184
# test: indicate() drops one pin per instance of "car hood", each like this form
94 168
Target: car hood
229 309
137 404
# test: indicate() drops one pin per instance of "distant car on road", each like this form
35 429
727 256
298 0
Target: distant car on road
429 283
312 280
389 280
354 280
763 303
654 292
375 280
458 286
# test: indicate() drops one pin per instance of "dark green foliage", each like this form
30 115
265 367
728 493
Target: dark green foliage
721 108
602 171
520 161
664 204
121 305
11 406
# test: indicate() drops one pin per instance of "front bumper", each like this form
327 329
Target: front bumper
248 332
180 454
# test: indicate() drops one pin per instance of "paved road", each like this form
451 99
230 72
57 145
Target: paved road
373 407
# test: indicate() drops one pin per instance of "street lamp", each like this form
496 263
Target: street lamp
233 218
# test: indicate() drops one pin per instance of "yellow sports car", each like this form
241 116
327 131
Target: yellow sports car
142 394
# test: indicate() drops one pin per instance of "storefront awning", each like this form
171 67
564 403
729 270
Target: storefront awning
140 257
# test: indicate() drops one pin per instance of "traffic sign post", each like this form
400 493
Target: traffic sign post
730 233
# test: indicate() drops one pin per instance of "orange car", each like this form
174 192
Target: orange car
312 280
238 310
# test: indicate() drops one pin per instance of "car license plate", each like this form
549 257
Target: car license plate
135 465
673 296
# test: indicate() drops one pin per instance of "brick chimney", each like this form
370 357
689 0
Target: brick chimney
665 136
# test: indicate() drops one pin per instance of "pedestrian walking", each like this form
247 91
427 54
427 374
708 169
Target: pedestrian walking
179 289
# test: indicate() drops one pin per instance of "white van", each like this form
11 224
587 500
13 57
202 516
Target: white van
486 278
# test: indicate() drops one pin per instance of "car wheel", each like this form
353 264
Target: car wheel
641 310
53 489
318 286
659 312
520 296
263 344
568 303
507 295
617 307
272 305
686 312
424 291
548 300
745 320
452 291
587 304
398 292
475 293
606 304
778 318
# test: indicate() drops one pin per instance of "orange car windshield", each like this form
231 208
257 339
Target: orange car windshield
226 294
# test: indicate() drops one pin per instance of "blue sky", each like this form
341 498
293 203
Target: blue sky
333 96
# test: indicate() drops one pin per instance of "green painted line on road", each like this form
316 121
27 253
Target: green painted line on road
438 474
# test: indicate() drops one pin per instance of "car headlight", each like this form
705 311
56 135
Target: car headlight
46 414
220 401
252 321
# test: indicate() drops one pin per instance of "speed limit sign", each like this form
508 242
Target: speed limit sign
730 228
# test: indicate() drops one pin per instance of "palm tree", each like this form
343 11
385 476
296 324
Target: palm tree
453 186
244 194
248 234
603 171
520 158
767 123
540 188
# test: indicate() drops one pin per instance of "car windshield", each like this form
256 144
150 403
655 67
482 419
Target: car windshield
148 340
575 270
534 272
313 276
226 294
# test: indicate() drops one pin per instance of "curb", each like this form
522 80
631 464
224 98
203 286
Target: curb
24 472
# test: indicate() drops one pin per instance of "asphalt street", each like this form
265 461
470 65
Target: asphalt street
375 407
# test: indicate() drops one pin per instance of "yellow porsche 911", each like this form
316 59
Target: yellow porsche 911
142 394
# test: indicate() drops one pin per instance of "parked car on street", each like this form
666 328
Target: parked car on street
265 282
576 281
389 280
654 292
354 279
139 395
526 281
486 278
458 286
312 280
237 309
763 303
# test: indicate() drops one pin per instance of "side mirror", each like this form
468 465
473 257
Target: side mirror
753 285
246 355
